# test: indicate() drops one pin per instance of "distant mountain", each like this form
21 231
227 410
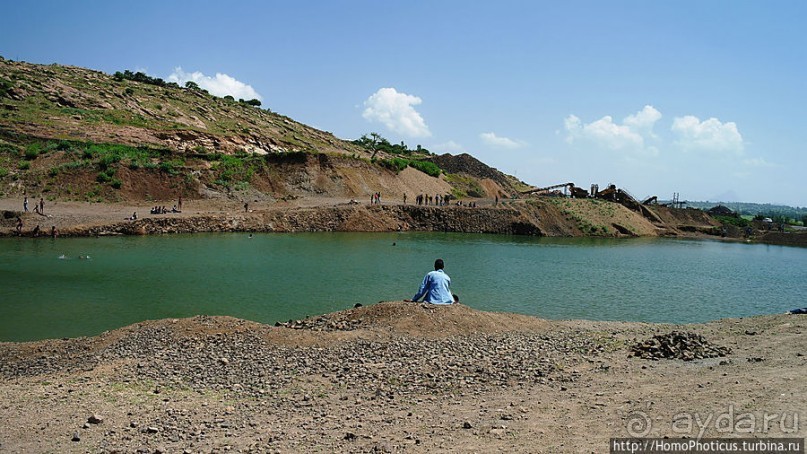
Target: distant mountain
755 209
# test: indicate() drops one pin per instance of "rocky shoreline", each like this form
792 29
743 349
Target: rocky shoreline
390 377
521 218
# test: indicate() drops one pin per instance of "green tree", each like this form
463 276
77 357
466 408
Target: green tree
191 85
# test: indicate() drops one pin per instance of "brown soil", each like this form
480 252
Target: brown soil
587 387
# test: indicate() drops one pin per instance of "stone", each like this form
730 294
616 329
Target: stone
95 419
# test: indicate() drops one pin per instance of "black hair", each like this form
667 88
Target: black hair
438 264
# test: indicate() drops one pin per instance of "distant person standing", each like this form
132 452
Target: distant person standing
41 205
25 204
19 225
179 203
435 286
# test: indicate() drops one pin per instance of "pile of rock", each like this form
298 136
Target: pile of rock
322 324
678 345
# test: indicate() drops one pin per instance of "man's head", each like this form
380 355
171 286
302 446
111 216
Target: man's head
438 264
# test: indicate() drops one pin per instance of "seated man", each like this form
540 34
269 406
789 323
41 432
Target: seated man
435 286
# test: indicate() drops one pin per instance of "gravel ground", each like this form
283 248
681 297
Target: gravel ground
392 377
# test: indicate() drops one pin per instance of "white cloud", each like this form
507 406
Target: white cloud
220 85
493 140
643 120
758 162
708 135
448 147
605 132
396 111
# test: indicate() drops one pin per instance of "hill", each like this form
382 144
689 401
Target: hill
80 138
77 134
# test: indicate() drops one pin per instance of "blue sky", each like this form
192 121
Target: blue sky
703 98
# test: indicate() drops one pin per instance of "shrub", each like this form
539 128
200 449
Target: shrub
3 172
171 167
731 220
395 164
24 165
116 183
103 177
32 152
427 167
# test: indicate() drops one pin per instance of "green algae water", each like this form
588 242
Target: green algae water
48 291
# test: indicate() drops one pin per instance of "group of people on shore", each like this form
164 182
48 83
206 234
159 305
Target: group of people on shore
426 199
39 208
163 210
36 231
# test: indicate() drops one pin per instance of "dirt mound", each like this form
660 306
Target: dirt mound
418 319
467 164
687 219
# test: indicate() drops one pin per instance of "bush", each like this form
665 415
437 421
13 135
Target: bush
731 220
395 164
3 172
24 165
116 183
427 167
171 167
103 177
32 152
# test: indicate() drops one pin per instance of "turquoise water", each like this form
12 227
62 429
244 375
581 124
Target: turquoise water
272 277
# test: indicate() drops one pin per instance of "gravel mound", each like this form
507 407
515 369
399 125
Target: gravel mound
678 345
247 363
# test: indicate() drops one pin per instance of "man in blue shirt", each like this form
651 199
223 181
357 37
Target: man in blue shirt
435 286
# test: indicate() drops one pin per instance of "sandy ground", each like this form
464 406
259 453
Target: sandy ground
68 214
396 377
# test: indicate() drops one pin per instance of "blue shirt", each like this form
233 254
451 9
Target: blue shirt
435 287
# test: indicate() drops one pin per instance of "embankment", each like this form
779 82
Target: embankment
525 218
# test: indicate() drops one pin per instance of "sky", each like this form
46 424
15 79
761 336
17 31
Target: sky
701 98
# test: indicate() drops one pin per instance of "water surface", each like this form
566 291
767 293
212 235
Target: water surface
271 277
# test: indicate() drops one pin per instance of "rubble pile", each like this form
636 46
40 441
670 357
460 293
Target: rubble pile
678 345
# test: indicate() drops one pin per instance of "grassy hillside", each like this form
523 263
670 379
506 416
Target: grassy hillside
74 133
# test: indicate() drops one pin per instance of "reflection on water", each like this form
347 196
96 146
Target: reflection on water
72 287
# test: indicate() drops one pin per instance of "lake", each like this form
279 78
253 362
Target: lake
48 291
